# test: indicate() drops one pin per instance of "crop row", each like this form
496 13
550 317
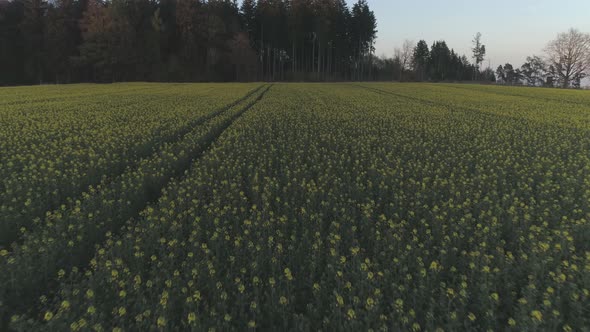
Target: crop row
66 238
520 104
54 152
332 207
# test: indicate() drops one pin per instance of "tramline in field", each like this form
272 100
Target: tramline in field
294 206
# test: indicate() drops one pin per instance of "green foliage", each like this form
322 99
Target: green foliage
184 40
330 207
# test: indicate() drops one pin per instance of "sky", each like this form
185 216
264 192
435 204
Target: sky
511 29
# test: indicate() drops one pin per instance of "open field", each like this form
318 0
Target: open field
328 207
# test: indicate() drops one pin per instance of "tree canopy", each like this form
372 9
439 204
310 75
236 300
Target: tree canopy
63 41
184 40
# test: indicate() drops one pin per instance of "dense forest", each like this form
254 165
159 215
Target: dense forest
62 41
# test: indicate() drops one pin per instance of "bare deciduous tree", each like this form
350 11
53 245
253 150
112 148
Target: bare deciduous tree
479 52
405 56
569 54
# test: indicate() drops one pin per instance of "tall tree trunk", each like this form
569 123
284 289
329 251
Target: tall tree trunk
261 68
293 64
360 64
269 63
312 55
319 58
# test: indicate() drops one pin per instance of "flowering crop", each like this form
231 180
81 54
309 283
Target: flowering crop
66 237
336 207
54 148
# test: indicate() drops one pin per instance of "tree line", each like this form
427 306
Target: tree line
565 63
438 62
62 41
185 40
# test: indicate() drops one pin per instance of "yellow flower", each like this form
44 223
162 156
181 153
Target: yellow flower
91 310
197 296
283 300
65 305
251 324
161 321
192 317
495 297
399 304
351 314
89 294
288 274
340 300
122 311
471 316
370 303
511 321
450 292
3 252
48 315
537 315
434 266
82 323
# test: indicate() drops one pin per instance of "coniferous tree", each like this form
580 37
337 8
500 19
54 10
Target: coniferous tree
420 60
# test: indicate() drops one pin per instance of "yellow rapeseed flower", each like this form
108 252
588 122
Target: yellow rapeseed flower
283 300
351 314
288 274
65 305
192 317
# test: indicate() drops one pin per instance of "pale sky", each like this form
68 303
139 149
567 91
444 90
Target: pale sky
511 29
